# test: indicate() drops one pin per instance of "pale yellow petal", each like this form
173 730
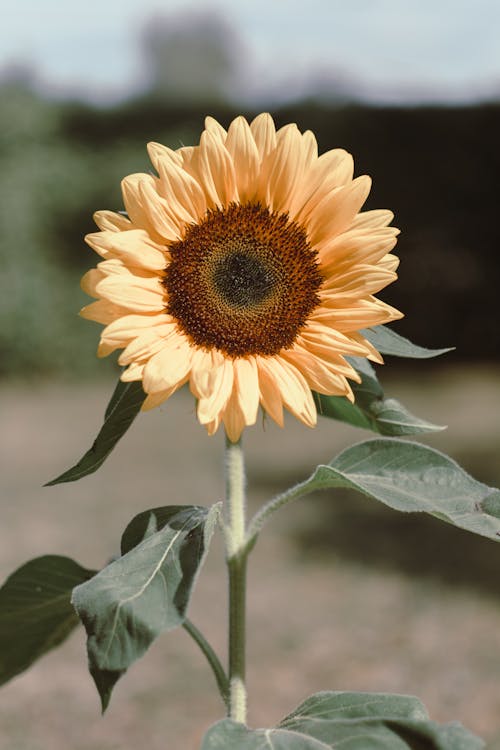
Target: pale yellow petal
218 386
215 128
122 331
374 355
90 280
133 292
102 311
184 197
356 246
165 224
132 373
147 343
264 134
295 392
168 367
359 314
111 222
331 170
270 393
359 281
389 262
215 171
134 201
324 338
282 171
379 217
319 378
133 247
335 213
247 388
241 146
153 400
233 418
158 153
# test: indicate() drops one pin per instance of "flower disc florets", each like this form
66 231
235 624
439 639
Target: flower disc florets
242 281
244 268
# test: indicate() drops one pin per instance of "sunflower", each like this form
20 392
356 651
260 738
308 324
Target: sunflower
244 267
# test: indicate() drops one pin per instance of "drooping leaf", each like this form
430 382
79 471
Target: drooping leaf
389 342
347 721
121 411
35 611
371 410
408 476
145 591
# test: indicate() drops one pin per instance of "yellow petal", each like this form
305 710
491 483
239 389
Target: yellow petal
147 343
134 248
247 388
184 196
241 146
336 211
102 311
159 153
215 128
216 171
169 366
295 392
379 217
217 387
133 292
153 400
264 134
111 221
270 393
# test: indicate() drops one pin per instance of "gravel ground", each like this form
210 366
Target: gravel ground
318 619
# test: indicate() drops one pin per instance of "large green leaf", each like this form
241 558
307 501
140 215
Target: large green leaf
388 341
121 411
367 721
408 476
371 410
145 591
35 610
347 721
229 735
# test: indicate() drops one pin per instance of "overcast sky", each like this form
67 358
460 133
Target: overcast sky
390 50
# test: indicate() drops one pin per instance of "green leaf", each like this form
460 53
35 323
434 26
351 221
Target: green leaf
35 611
121 411
145 591
347 721
388 341
371 410
229 735
408 476
367 721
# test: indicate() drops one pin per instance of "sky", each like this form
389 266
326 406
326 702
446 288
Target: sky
383 50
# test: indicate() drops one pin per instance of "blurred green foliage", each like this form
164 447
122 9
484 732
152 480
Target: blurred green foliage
60 161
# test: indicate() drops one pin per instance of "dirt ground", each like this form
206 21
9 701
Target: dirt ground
321 616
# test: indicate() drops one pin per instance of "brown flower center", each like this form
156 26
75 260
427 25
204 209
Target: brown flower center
243 281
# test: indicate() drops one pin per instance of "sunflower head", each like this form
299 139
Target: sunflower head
245 268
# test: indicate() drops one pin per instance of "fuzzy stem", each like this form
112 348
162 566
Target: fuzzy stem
236 555
260 518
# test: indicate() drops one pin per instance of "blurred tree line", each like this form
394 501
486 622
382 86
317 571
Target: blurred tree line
436 168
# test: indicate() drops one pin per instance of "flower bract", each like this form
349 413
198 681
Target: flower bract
245 268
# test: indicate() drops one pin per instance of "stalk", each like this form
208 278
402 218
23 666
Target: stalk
236 558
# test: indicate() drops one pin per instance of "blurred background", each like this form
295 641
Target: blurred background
393 603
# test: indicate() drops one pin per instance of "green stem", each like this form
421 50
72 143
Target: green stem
212 658
236 556
271 507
